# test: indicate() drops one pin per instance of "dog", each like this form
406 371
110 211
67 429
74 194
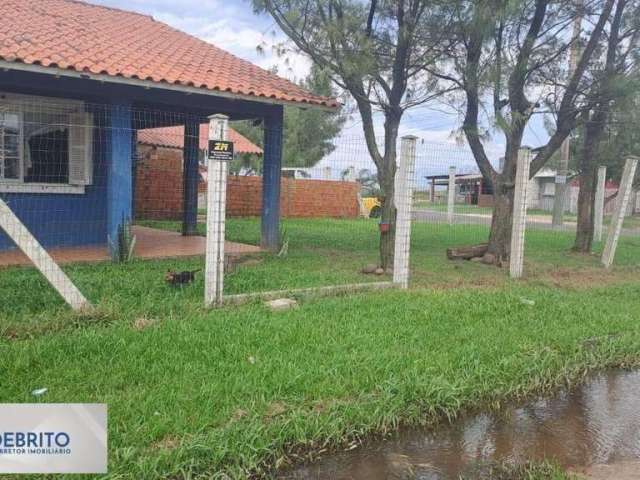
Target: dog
181 278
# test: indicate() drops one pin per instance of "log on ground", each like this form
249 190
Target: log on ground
467 253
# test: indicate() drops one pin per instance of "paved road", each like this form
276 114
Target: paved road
535 221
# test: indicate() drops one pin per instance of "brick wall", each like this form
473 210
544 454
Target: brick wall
158 191
298 198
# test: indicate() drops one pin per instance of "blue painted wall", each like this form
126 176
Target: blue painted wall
190 178
67 220
71 220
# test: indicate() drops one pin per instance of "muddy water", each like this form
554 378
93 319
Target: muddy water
598 423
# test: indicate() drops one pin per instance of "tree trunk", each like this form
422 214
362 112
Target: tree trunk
502 219
586 201
594 135
387 179
594 131
388 238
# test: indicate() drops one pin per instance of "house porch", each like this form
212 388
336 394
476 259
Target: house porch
151 243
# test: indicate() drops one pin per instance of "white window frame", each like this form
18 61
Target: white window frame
19 104
20 179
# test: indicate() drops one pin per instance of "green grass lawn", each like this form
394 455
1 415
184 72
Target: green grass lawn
195 393
458 207
321 252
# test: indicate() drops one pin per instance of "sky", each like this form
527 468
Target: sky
233 26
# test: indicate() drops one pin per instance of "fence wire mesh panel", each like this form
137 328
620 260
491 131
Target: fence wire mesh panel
454 205
314 219
98 197
112 200
110 203
451 197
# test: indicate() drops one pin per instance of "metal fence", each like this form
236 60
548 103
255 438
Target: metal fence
94 194
138 194
454 202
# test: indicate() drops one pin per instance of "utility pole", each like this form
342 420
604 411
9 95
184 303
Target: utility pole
565 149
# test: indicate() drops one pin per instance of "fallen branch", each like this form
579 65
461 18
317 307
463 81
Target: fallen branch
467 253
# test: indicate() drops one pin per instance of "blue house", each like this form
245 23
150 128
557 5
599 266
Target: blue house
77 81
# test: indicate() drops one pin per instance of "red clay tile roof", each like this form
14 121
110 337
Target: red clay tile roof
173 137
69 34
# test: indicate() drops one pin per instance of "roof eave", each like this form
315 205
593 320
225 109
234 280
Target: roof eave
147 84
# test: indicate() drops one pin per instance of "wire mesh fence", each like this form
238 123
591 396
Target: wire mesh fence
81 191
112 198
327 230
106 199
454 199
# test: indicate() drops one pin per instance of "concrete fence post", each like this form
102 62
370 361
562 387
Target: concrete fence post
216 215
516 259
23 238
451 194
405 176
598 208
617 219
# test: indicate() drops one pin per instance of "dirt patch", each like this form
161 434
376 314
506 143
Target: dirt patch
169 442
239 414
573 278
275 409
142 323
580 279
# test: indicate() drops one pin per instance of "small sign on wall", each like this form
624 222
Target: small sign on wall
220 150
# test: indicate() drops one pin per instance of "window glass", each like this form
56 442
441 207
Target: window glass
46 138
35 136
548 188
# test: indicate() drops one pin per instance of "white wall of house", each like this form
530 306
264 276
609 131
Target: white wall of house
533 193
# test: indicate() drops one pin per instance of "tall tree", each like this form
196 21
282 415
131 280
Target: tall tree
615 83
508 62
308 134
622 137
376 50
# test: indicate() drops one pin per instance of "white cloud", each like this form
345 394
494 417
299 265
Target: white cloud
232 26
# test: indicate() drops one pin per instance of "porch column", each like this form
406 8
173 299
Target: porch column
119 175
273 125
190 176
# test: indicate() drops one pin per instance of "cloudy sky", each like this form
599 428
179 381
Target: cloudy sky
229 24
232 25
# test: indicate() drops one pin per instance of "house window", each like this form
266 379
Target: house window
10 142
548 189
45 145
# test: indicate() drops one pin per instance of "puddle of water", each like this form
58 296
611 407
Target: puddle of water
597 423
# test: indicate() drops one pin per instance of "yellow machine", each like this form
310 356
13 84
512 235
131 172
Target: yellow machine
372 206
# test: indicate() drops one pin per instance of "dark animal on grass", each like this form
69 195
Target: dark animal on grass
181 278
